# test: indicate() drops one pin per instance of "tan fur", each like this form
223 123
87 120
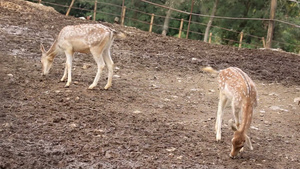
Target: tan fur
96 39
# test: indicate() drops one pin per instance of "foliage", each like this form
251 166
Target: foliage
183 35
288 11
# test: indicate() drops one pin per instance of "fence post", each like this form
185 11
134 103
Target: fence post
123 15
70 7
264 42
271 24
209 40
95 10
180 28
40 1
241 39
151 22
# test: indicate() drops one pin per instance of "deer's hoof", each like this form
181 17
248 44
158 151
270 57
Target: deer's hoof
107 87
67 85
91 87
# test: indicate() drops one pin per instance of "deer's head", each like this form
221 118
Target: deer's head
45 60
238 140
238 143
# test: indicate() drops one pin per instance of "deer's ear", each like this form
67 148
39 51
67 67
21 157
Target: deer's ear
42 48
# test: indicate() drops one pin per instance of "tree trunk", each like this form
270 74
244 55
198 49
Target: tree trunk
190 18
271 24
167 19
166 23
214 10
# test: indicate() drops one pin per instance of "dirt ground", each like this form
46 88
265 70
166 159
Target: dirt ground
159 113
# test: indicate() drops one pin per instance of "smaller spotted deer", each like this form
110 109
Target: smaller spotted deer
237 87
96 39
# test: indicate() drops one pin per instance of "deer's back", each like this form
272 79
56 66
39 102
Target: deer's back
87 33
238 85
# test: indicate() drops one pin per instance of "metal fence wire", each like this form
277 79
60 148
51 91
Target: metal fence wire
156 21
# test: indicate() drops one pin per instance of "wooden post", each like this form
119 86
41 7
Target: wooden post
151 22
271 24
180 28
264 42
40 1
123 15
210 35
70 7
188 29
123 4
241 39
95 10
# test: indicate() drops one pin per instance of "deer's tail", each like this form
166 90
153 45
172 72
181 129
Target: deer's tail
119 34
210 70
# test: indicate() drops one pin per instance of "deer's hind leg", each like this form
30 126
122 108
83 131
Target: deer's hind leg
110 65
97 53
221 106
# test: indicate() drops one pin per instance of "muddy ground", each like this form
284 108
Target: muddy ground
159 113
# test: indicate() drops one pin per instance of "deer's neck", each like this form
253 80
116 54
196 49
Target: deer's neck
53 51
247 118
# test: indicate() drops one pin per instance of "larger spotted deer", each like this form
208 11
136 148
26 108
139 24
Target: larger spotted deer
236 87
96 39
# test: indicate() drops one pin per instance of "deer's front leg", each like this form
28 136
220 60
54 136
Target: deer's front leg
65 73
69 56
236 113
248 142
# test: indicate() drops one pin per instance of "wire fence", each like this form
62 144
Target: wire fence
153 19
